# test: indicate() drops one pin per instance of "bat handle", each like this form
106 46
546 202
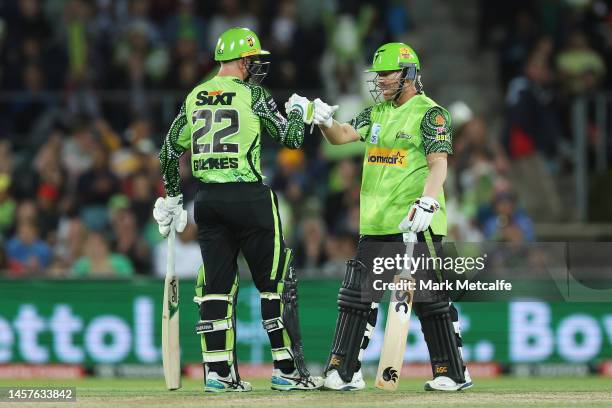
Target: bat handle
170 257
409 237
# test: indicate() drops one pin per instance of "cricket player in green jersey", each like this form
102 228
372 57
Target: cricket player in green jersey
220 124
407 137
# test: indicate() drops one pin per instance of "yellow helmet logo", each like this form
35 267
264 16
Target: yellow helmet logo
250 41
405 53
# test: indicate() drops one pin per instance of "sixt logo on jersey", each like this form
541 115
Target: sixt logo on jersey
387 157
215 163
215 98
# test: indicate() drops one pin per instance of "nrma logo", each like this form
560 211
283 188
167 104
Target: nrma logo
387 157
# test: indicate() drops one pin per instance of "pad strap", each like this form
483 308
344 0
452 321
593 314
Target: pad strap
273 324
208 326
218 356
270 295
207 298
282 353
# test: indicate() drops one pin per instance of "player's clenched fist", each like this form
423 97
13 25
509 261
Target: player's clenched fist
302 105
323 113
167 210
420 215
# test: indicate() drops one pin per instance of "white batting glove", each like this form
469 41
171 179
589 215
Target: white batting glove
323 113
420 215
167 210
302 105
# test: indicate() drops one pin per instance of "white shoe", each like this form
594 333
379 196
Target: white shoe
294 381
334 382
216 383
443 383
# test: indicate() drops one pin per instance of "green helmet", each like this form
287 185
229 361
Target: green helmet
237 43
393 57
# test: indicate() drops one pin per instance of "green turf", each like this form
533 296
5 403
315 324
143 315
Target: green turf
501 392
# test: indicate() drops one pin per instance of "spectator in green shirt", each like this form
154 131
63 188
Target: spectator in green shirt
99 262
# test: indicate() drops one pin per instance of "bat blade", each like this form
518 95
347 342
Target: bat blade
171 351
394 345
396 330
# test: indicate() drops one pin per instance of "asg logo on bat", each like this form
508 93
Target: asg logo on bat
403 298
214 98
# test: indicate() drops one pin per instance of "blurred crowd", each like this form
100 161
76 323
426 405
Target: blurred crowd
79 172
549 52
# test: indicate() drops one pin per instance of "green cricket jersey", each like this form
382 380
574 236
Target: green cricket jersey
220 122
398 139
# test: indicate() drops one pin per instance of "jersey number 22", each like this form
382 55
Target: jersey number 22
203 133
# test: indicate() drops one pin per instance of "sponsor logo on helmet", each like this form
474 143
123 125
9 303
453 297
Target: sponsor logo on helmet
250 41
387 157
405 53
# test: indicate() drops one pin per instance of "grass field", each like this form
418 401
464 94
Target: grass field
501 392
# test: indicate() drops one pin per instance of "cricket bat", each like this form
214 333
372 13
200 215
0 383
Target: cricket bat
171 351
396 330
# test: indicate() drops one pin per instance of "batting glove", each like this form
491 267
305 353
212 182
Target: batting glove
302 105
420 215
323 113
168 210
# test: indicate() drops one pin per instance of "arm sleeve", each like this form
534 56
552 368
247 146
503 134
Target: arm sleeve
176 142
362 123
287 131
436 131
